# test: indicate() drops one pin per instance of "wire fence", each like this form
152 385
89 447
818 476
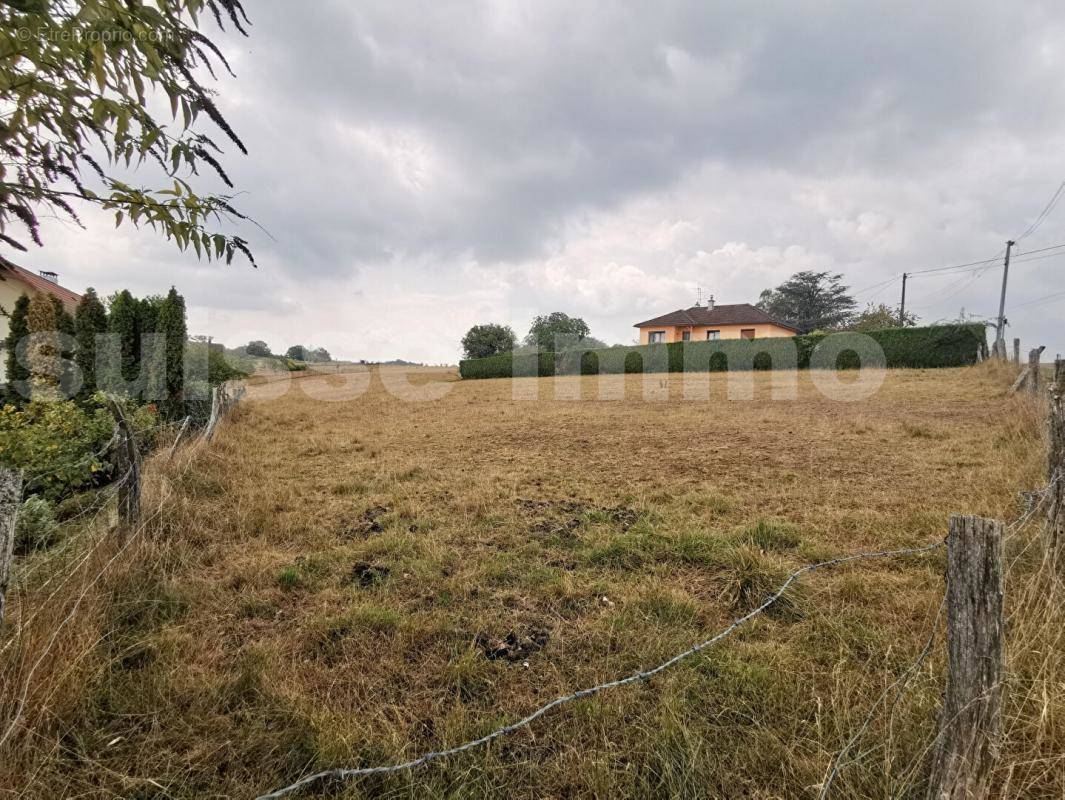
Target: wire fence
642 675
225 399
84 550
1034 501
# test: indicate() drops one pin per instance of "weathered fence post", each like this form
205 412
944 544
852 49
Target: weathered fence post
181 433
1056 469
1033 369
1017 352
10 499
129 490
216 411
969 725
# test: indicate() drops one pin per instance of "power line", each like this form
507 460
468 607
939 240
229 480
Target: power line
1044 213
1038 300
1041 249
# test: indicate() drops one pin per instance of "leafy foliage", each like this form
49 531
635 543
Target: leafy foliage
90 320
810 301
18 329
53 444
929 347
44 349
302 352
556 331
78 74
124 321
489 339
258 348
170 322
879 317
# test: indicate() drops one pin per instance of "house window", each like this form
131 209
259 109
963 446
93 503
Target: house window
656 336
746 333
713 336
686 336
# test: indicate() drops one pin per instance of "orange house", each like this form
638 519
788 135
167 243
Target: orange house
713 321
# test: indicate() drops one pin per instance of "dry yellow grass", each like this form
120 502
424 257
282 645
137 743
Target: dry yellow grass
326 581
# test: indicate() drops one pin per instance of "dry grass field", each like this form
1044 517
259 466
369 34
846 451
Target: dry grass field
353 582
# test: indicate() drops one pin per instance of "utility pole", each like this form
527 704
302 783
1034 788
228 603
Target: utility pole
1000 337
902 305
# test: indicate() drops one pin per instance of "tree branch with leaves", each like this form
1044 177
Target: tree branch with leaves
76 80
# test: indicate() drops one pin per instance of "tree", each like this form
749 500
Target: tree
90 320
44 350
878 317
489 339
123 320
147 312
173 327
297 352
66 347
556 331
319 354
18 329
78 76
810 301
258 348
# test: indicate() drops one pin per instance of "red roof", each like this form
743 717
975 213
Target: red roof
37 282
736 314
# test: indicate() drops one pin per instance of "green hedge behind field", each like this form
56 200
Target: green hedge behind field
929 347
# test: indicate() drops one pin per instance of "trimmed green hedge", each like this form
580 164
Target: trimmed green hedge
929 347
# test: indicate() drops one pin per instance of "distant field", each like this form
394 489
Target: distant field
358 582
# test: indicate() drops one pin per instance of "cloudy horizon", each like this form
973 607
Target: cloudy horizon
422 168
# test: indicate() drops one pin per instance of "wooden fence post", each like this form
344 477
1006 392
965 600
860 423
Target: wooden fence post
216 410
1017 352
1033 369
180 434
970 725
1056 470
129 491
10 499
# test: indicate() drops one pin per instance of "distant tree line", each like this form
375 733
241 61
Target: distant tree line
548 333
299 352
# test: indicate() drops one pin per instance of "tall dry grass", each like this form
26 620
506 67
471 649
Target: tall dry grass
311 592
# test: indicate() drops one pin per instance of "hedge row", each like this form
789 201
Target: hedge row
929 347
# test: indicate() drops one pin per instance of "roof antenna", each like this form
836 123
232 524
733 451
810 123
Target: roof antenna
699 297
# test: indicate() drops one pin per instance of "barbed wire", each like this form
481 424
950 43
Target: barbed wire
88 459
901 682
643 675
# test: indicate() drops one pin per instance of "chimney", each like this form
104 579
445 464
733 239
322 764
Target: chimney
50 276
710 303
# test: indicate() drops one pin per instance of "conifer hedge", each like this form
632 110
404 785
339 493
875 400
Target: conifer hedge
928 347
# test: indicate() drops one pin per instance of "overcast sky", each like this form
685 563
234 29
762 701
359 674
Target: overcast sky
425 166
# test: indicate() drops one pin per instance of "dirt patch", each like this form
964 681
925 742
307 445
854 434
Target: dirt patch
564 517
366 575
367 523
514 646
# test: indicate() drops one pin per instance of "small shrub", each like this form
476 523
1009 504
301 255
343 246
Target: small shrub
53 443
36 527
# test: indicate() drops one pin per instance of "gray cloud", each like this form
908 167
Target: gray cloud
459 160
